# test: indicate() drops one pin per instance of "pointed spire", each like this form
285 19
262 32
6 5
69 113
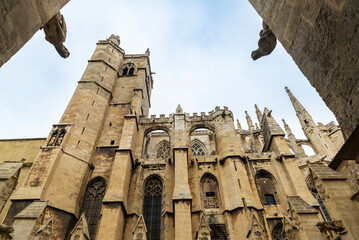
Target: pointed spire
239 126
304 117
287 128
179 109
259 113
249 120
296 104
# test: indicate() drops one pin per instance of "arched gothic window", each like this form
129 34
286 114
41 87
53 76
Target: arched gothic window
152 207
198 148
322 208
210 191
163 150
278 232
266 188
128 69
92 203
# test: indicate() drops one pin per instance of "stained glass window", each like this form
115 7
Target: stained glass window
210 191
92 204
198 148
163 150
152 207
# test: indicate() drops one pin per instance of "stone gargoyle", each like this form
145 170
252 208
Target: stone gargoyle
55 33
266 43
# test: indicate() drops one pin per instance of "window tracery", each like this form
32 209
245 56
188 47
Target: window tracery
278 233
152 207
210 191
163 150
266 188
218 232
198 148
92 203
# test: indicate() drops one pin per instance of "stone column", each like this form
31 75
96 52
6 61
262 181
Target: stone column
114 208
182 197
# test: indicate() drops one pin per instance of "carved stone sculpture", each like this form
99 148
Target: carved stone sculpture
55 33
331 228
266 43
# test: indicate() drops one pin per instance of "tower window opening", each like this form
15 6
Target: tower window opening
132 70
88 115
112 142
83 130
93 102
125 70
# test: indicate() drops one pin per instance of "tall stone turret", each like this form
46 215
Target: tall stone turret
319 139
298 150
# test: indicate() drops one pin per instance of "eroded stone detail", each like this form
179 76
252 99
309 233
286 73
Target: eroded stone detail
266 43
55 33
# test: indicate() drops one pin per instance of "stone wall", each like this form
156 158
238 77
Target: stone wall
20 149
322 38
20 20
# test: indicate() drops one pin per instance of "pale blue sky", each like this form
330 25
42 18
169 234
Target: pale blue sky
200 51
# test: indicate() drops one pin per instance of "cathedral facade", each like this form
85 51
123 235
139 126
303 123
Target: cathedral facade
110 171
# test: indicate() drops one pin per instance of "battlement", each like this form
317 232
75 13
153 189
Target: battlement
162 118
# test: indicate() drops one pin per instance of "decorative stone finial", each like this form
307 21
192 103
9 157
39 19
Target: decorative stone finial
115 39
179 109
147 52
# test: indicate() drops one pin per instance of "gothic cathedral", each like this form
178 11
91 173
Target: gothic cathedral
109 171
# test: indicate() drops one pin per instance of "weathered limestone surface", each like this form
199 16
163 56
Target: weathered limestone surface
322 38
20 20
109 171
20 149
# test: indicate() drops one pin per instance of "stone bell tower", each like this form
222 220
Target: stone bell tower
113 92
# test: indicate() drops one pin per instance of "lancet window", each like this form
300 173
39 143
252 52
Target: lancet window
92 203
198 148
266 188
163 150
152 207
210 191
